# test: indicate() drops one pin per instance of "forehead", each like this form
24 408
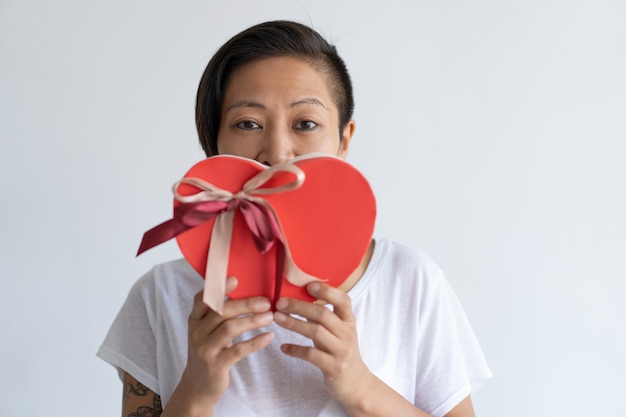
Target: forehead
277 78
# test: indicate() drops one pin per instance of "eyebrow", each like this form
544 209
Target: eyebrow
309 100
245 103
257 105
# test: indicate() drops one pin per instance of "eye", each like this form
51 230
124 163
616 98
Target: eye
306 125
247 125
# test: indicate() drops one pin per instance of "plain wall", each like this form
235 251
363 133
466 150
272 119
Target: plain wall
493 133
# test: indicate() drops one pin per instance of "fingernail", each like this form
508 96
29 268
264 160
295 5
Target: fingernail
263 304
282 303
314 287
280 317
265 318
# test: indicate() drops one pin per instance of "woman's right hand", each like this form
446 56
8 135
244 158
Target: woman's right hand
211 351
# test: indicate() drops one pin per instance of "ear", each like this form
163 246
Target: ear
346 137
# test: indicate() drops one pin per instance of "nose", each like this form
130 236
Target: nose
277 148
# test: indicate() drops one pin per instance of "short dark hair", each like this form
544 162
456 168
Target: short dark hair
266 40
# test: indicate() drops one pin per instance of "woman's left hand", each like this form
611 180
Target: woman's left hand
335 349
335 352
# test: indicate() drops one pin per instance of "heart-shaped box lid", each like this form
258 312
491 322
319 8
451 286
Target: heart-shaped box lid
328 223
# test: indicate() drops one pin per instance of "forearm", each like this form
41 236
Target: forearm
379 399
184 403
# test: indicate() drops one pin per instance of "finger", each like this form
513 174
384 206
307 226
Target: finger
316 313
246 307
240 350
251 305
224 334
322 337
342 305
199 309
229 329
211 343
322 360
232 308
231 284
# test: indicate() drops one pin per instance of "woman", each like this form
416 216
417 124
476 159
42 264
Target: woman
273 92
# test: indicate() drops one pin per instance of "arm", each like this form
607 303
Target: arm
335 352
139 400
210 355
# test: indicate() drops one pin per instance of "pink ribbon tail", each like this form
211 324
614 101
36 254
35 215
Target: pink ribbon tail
265 232
217 262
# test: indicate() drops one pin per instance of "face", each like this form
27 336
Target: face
276 109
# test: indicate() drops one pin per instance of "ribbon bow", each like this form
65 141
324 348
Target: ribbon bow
258 214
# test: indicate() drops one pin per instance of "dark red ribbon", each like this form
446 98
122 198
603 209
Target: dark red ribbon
259 219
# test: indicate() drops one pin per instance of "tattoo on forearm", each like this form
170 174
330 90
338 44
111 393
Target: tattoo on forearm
154 411
137 389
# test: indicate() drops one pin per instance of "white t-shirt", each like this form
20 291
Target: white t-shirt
413 334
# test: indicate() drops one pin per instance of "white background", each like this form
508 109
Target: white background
493 133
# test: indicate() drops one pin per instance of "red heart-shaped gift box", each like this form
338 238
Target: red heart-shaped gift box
327 223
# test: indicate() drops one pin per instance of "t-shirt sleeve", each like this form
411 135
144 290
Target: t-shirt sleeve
451 363
130 344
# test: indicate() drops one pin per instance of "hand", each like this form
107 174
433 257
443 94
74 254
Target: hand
335 348
211 351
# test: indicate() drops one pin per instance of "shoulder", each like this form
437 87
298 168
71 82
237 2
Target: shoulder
168 283
401 252
176 275
401 260
400 273
148 336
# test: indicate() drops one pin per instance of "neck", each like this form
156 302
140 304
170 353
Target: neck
355 276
